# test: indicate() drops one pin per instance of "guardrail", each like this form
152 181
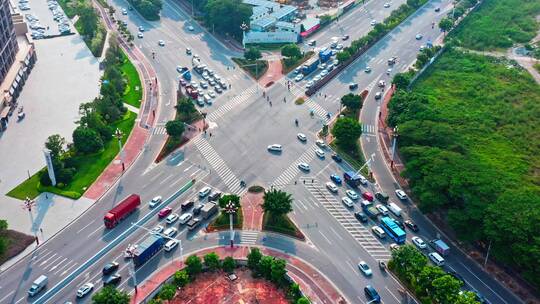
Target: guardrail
51 292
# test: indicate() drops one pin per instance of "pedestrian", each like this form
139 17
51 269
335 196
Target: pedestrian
267 98
324 96
46 196
210 134
270 103
41 230
229 86
204 132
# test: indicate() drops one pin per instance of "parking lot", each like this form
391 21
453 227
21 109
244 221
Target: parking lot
44 18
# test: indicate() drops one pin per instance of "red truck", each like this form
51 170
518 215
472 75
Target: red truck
121 211
192 92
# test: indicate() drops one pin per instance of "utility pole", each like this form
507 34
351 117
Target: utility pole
27 205
231 208
394 141
244 27
487 254
118 134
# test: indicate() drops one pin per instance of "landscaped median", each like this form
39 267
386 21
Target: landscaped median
276 205
95 144
222 222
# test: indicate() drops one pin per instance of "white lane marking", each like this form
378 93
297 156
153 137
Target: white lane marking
165 179
186 169
493 291
43 256
303 205
9 294
93 232
393 295
58 264
351 265
339 236
19 300
324 236
156 176
85 226
45 261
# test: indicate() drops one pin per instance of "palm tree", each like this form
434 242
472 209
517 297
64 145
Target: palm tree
277 202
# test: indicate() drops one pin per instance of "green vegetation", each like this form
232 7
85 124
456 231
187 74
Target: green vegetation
430 284
4 240
226 16
110 295
133 92
276 205
222 221
252 54
88 25
149 9
256 189
498 24
94 146
255 68
186 113
291 63
469 135
299 101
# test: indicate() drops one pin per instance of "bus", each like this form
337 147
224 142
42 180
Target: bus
393 230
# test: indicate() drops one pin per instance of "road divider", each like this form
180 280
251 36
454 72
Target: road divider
70 277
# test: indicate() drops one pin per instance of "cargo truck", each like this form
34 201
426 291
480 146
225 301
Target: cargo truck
370 210
121 211
147 249
192 92
352 179
324 55
310 66
440 247
208 210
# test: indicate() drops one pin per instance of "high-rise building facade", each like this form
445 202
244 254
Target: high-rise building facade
8 39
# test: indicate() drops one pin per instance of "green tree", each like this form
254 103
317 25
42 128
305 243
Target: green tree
87 140
401 81
185 106
347 131
446 24
446 289
252 54
226 16
408 262
55 143
88 19
253 258
225 199
303 300
211 260
265 266
110 295
352 101
343 56
426 277
167 292
193 265
294 292
4 241
291 50
277 202
467 297
175 128
228 265
181 278
278 271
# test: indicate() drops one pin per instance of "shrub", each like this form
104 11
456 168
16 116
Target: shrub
228 264
256 189
299 101
193 265
212 261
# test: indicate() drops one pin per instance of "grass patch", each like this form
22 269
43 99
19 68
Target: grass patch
222 221
281 224
537 67
28 188
290 64
256 189
299 101
355 158
498 24
256 71
266 46
133 93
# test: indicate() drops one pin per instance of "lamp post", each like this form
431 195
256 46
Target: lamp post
244 28
230 208
394 140
27 205
118 134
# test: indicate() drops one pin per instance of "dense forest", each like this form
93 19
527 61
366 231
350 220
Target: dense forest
468 132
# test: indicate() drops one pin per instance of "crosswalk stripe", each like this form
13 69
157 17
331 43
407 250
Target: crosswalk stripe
235 101
368 128
159 130
290 173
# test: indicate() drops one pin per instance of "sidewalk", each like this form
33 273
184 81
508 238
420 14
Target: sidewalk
311 282
253 212
273 73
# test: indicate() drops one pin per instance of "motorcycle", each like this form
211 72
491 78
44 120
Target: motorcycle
382 265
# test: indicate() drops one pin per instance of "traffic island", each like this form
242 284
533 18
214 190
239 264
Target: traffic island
281 224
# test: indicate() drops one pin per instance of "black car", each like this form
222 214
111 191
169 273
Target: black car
353 86
337 158
437 9
112 280
187 204
110 268
197 209
372 294
361 217
411 225
214 196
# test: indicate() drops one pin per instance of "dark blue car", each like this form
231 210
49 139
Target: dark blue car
372 294
336 179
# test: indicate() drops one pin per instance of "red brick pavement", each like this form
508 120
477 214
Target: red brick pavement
252 211
312 283
273 74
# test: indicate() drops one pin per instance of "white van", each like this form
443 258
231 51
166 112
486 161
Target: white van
395 209
378 231
184 218
38 285
436 258
204 192
170 245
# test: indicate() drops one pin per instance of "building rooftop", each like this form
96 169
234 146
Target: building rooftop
288 25
263 22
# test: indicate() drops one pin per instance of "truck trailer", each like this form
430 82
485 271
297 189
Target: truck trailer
310 66
370 210
121 211
146 249
324 55
208 210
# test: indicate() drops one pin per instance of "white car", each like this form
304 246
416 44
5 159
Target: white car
141 28
352 194
317 78
373 22
324 73
319 153
212 94
85 289
170 245
157 229
364 268
301 136
401 194
389 71
419 242
381 83
170 232
367 69
191 28
303 166
299 77
320 143
339 46
309 84
155 201
347 202
332 187
173 217
161 43
204 192
382 209
422 47
124 11
418 36
363 180
275 148
386 5
140 35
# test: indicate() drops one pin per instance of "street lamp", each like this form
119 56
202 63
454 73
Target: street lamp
231 208
394 140
118 134
27 205
244 27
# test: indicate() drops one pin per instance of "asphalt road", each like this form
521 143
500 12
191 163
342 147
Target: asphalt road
241 126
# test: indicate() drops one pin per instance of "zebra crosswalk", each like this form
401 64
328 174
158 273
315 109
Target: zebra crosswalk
290 173
219 165
159 130
317 109
370 129
249 237
362 235
235 101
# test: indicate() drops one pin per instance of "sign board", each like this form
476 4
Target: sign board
50 169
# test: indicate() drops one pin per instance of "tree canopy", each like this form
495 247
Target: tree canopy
347 131
291 50
110 295
352 101
277 202
226 16
175 128
252 54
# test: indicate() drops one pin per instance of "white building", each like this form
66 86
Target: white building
271 22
